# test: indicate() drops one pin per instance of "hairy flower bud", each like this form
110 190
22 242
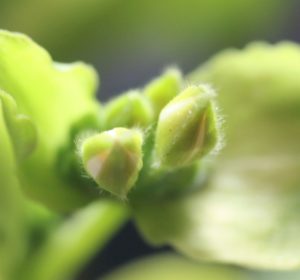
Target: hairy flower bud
129 110
113 159
187 128
164 88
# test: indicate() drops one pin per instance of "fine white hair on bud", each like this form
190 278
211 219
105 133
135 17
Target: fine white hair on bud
187 128
113 159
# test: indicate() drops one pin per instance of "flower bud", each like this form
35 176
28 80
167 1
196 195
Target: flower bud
113 159
161 90
129 110
187 128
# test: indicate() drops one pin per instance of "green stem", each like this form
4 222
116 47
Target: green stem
70 246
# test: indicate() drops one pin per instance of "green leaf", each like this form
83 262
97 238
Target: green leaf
55 96
170 266
12 243
21 129
248 213
259 96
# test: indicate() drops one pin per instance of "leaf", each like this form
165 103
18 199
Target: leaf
248 213
55 96
12 243
169 266
259 97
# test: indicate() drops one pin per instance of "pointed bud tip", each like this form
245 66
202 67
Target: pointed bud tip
21 128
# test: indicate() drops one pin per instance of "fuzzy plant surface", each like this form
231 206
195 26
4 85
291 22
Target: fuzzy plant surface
207 163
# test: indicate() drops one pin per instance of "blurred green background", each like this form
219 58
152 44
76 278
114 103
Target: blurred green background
131 41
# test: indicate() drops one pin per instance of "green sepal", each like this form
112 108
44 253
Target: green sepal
247 215
258 93
12 225
22 131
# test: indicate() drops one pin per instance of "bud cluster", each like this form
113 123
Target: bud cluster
183 130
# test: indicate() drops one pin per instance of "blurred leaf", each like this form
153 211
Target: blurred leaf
274 275
248 212
259 96
54 96
169 266
12 243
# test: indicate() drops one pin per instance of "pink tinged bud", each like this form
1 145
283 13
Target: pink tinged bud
113 159
187 128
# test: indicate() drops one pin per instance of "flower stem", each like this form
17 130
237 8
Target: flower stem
69 247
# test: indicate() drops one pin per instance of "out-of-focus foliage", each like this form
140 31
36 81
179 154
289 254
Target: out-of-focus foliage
56 97
247 213
168 266
12 234
63 25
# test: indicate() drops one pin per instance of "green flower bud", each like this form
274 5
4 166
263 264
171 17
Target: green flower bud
164 88
113 159
129 110
187 128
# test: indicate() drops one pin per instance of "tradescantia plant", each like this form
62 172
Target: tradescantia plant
216 176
